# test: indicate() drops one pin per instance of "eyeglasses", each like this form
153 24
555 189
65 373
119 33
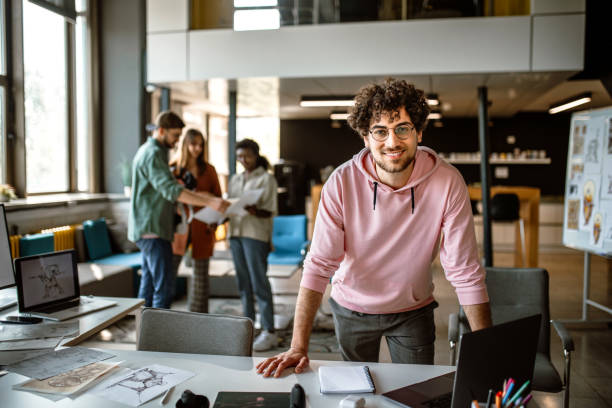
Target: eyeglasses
403 132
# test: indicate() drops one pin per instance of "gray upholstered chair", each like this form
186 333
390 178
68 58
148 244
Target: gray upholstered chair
516 293
199 333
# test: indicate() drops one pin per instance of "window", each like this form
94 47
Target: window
82 111
46 100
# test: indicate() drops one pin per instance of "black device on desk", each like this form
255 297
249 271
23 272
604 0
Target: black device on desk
486 358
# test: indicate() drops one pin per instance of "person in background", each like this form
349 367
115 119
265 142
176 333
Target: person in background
151 219
383 217
190 166
250 237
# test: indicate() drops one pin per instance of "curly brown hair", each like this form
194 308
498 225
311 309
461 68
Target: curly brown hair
375 99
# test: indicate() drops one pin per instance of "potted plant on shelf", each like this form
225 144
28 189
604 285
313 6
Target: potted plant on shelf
7 193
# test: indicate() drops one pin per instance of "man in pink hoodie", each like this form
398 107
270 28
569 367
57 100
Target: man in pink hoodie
382 217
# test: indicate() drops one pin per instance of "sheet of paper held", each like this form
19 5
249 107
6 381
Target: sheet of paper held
11 332
57 362
210 216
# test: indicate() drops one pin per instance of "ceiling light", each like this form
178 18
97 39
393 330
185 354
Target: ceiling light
339 115
570 103
432 99
434 115
255 3
317 101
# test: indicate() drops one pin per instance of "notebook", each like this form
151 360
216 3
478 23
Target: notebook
345 380
48 287
486 358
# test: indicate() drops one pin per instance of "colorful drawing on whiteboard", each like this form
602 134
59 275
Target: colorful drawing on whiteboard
578 140
576 172
597 226
573 210
588 203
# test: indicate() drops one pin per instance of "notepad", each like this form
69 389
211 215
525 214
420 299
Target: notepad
345 380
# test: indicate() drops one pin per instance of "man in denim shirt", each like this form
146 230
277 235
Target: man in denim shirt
154 192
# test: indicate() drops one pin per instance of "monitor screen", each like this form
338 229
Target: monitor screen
7 274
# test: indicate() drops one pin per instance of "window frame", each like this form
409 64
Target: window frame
14 157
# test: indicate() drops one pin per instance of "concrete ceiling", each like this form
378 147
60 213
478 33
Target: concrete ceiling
509 93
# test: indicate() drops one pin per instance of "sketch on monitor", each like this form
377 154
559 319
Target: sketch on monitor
48 278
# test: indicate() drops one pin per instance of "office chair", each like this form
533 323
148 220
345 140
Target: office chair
505 207
289 240
200 333
516 293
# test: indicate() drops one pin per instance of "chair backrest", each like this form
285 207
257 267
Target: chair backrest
36 244
175 331
289 233
505 207
520 292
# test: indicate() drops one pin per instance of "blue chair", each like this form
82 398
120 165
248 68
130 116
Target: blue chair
289 240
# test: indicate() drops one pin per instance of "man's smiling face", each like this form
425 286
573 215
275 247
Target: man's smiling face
397 152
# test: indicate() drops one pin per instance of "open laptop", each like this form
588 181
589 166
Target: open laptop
48 287
486 358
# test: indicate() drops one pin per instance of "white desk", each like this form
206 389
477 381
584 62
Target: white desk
92 323
222 373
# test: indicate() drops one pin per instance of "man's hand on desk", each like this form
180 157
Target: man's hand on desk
291 358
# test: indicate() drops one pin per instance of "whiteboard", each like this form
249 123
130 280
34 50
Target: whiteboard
587 222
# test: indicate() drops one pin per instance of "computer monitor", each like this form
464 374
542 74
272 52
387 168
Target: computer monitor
7 272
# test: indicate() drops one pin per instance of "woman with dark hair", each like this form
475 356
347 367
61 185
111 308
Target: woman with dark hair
192 169
250 237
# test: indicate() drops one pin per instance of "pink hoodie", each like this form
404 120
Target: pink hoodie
380 257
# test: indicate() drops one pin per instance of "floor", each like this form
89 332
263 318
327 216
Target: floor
591 371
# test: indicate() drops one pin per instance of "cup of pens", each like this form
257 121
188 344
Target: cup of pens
510 396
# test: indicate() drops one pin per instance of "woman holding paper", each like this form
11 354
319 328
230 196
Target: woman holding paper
250 237
190 160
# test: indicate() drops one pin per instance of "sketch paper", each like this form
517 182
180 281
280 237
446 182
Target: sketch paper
57 362
593 143
12 357
142 385
576 173
38 331
70 382
589 200
579 131
596 236
210 216
33 344
573 210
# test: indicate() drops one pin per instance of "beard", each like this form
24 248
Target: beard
395 167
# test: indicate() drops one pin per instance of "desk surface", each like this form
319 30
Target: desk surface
223 373
92 323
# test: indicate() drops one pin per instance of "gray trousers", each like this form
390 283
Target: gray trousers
410 335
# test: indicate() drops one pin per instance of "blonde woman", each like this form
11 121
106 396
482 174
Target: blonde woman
190 166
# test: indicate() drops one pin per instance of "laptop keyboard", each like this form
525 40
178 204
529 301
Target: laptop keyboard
441 401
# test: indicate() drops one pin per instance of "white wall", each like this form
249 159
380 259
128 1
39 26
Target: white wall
167 15
441 46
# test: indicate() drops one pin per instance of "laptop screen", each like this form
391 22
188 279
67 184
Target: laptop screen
46 280
7 276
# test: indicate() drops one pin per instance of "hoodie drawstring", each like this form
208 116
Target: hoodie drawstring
375 188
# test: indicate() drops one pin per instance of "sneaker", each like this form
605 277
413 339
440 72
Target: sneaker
265 341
